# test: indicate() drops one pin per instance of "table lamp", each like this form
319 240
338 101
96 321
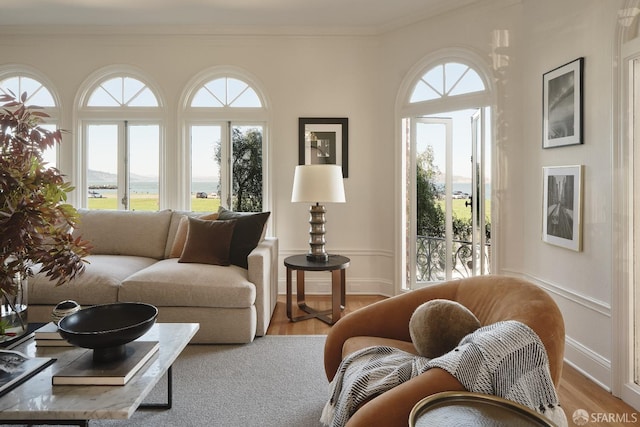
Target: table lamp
317 184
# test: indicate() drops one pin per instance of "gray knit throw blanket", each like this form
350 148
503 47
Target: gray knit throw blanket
505 359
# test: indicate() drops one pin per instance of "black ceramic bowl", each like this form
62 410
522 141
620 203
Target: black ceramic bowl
106 328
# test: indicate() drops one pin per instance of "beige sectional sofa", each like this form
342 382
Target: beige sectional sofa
136 257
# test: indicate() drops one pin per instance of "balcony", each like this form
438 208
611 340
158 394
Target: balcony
431 259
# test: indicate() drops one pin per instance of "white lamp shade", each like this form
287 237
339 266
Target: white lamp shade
318 184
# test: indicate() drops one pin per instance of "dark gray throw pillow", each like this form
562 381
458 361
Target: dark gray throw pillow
247 233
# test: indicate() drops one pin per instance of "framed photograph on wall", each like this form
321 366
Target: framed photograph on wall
562 206
562 105
324 141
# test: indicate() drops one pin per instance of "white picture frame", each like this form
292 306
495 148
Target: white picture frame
562 206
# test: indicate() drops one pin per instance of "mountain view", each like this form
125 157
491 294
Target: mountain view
99 177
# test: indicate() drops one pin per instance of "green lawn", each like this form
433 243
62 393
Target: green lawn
464 212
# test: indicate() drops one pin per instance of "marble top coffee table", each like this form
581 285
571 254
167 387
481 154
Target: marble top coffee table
38 401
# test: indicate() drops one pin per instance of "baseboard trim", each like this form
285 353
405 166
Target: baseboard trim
631 395
589 363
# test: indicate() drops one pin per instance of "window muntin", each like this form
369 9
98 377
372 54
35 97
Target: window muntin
226 92
445 80
122 92
37 93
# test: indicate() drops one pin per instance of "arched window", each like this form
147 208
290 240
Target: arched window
226 92
122 92
225 122
445 80
21 81
446 148
122 126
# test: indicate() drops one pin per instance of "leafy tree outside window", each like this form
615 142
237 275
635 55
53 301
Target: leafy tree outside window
246 169
430 214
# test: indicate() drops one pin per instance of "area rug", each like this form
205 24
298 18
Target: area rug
275 381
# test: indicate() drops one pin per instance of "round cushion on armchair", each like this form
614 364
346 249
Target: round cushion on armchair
437 326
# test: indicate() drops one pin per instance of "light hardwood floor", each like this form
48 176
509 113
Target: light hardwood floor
576 391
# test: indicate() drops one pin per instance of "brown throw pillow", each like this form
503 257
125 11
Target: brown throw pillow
208 242
246 235
181 234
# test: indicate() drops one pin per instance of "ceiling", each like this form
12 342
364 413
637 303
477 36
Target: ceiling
247 16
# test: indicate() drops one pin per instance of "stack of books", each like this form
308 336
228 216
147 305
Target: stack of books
48 336
84 371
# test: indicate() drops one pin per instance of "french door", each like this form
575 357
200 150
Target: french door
449 208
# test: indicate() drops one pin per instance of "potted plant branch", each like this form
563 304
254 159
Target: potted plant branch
35 219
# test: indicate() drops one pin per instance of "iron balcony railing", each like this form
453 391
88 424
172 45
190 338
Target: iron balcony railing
431 258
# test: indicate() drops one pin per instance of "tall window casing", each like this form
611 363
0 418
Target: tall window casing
445 122
224 147
19 81
121 127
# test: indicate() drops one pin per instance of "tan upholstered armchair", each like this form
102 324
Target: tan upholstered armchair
490 298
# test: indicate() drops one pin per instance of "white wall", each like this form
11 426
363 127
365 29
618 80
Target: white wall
554 34
359 78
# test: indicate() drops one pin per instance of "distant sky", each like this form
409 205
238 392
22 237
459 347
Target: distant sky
144 150
434 135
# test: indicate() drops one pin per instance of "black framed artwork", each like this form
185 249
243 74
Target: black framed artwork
324 141
562 105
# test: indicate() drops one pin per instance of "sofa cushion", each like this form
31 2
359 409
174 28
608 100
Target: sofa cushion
179 237
208 242
247 234
169 283
97 285
135 233
176 217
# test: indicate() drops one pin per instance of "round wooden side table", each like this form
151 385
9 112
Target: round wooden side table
337 265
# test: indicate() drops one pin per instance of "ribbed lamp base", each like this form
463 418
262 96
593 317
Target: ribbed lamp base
317 252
